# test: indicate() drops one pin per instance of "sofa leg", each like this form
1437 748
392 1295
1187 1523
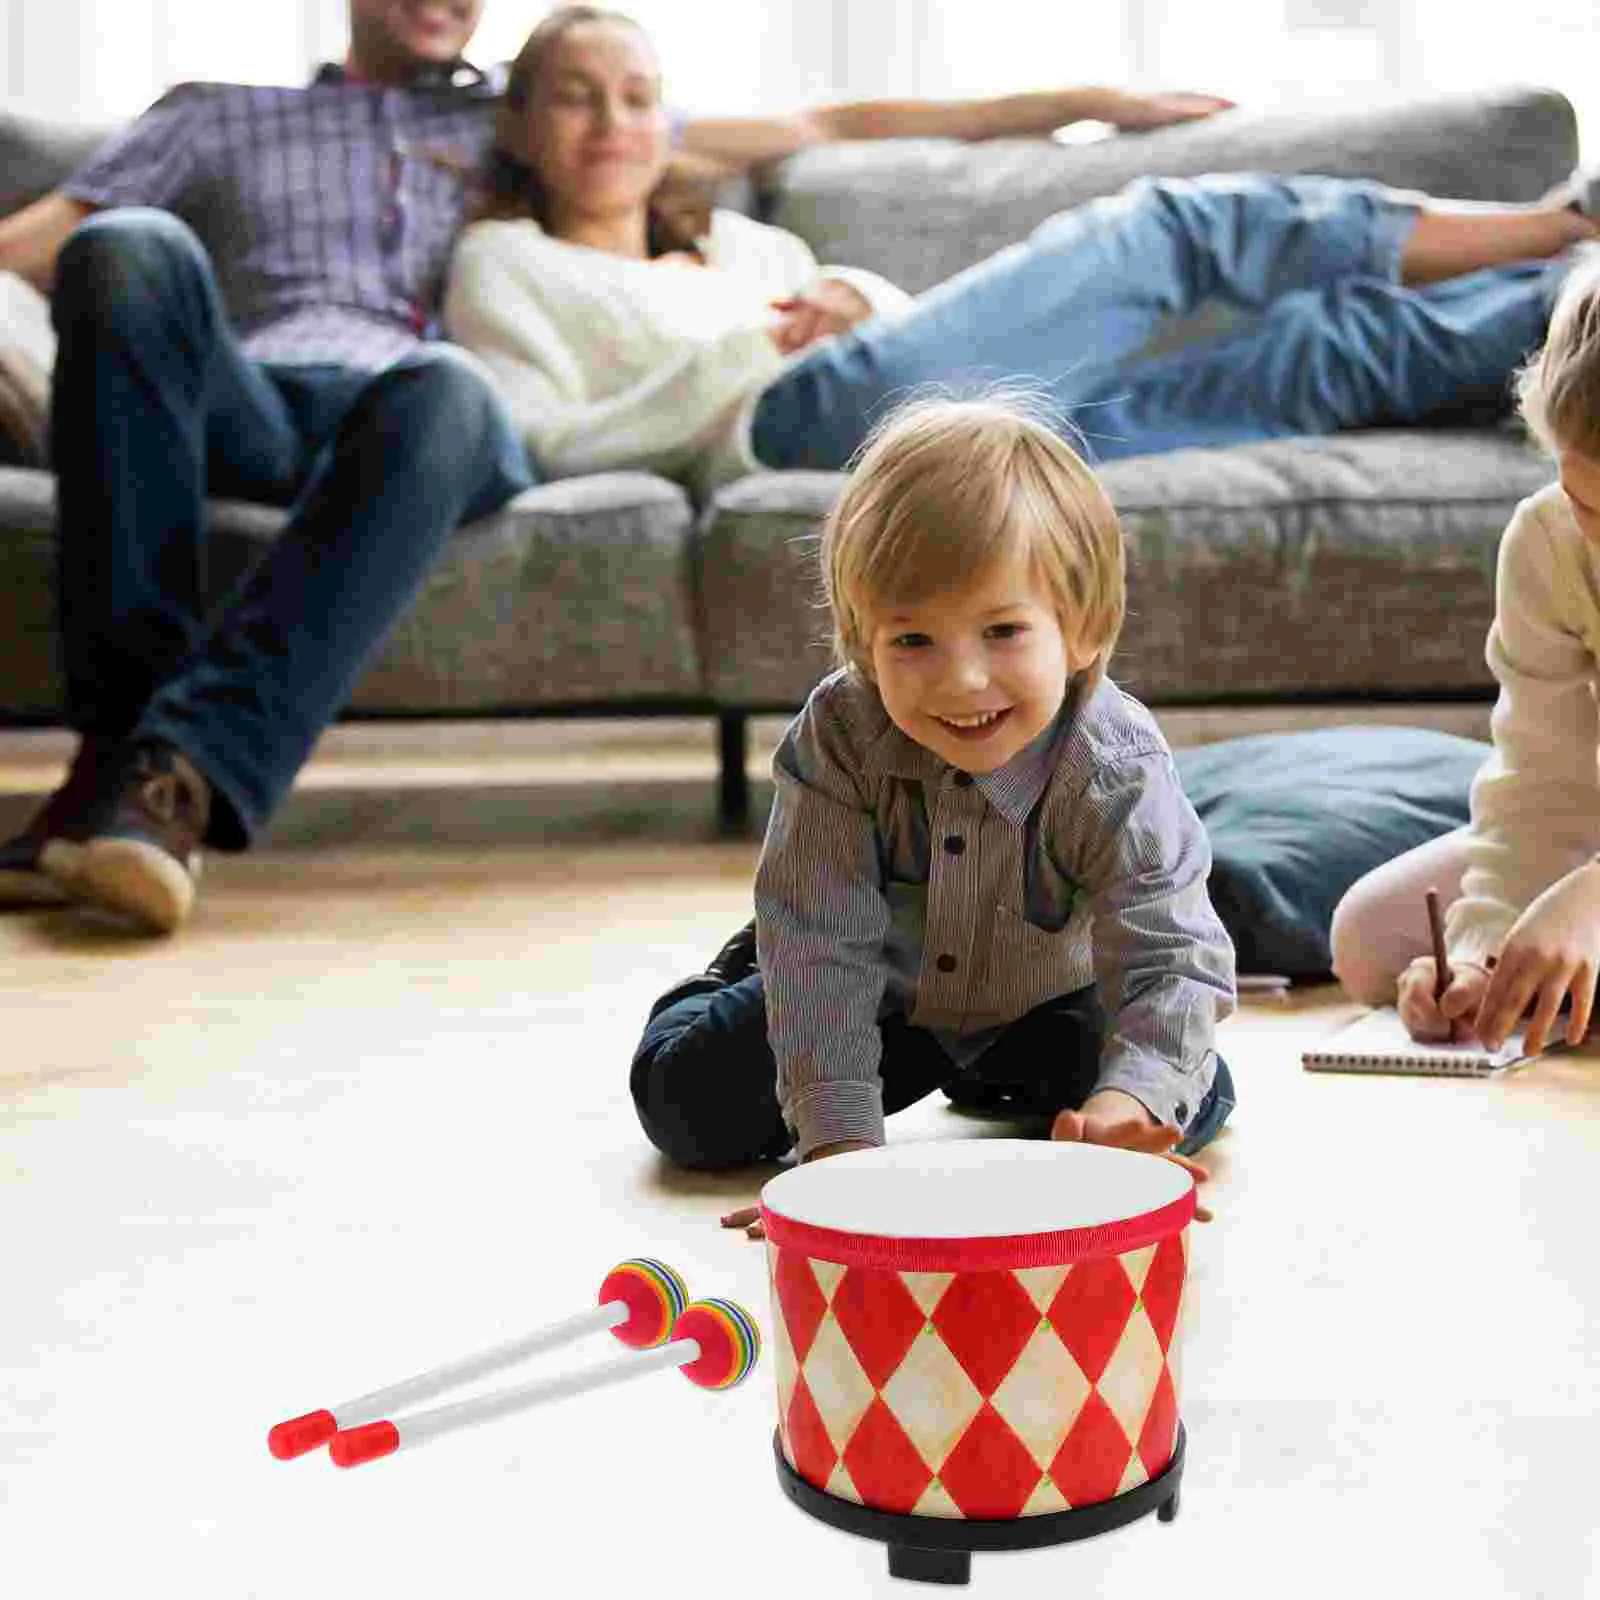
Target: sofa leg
733 787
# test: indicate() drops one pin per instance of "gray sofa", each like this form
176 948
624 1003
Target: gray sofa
1350 568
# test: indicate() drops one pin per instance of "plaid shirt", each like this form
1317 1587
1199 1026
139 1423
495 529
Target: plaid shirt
329 212
1080 861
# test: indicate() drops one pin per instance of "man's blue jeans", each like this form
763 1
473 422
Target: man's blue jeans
704 1079
155 407
1330 339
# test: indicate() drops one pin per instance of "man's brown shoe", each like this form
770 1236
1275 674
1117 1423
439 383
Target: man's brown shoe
24 881
140 855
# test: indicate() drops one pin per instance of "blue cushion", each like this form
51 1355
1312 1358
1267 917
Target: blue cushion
1296 818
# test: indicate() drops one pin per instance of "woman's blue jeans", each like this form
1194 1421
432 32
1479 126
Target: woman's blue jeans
156 407
1330 338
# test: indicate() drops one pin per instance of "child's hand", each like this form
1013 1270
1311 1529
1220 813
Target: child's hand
750 1217
1450 1016
1111 1117
1552 951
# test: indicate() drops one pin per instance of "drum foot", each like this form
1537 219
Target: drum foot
940 1549
930 1566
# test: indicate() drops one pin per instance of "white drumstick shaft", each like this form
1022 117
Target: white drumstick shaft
381 1402
466 1413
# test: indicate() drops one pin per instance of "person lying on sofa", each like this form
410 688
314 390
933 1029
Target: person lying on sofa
628 332
244 290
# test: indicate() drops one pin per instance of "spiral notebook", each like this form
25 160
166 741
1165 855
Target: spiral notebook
1378 1042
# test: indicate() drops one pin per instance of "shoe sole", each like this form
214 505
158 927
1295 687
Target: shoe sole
138 880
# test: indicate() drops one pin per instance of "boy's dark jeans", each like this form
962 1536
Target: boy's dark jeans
704 1080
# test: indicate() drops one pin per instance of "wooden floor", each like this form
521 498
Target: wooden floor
369 1111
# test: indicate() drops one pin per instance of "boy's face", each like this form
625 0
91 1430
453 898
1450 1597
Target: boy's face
974 676
1580 482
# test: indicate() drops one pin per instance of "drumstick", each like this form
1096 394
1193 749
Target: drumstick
717 1347
640 1300
1442 975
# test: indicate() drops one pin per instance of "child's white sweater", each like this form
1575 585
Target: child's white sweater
1536 800
608 363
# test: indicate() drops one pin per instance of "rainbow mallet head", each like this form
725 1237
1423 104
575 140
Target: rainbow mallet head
655 1297
729 1340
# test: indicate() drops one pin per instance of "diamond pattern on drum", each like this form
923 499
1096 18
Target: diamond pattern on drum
879 1318
1090 1310
986 1318
983 1394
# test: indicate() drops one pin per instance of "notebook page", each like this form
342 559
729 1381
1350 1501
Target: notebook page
1378 1041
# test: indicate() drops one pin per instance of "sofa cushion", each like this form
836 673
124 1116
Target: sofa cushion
1361 564
919 211
578 592
27 358
37 156
1294 819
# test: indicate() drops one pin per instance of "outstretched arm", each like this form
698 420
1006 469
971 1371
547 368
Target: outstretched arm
733 144
31 239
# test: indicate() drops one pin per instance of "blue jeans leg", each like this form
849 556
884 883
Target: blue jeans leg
1082 295
155 406
149 384
425 446
1359 353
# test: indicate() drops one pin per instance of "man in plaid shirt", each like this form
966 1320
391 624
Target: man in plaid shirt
245 285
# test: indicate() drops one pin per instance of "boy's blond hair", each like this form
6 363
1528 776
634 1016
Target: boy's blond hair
944 490
1558 391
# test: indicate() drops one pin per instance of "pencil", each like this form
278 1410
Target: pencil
1441 963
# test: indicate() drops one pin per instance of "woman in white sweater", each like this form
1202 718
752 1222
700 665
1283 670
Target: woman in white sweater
628 332
1520 880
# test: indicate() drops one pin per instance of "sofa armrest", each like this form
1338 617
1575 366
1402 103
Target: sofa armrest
919 211
38 155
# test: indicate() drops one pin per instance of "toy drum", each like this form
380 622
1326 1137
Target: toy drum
976 1343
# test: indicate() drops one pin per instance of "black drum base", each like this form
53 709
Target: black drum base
940 1549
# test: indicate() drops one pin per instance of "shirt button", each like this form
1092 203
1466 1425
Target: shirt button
963 780
1181 1111
955 844
946 963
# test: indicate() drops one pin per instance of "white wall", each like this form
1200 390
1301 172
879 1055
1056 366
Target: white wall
103 60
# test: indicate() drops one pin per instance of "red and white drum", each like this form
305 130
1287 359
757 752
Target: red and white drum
983 1328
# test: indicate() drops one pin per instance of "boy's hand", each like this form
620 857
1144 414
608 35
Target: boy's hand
1552 951
1111 1117
1450 1016
749 1218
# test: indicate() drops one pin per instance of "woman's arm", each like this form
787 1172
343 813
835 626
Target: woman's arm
734 144
31 239
1536 800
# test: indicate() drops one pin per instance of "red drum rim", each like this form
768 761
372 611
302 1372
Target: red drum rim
990 1254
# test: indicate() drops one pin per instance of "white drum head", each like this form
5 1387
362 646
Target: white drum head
975 1189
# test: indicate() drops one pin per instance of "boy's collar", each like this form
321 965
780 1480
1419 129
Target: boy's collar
1014 789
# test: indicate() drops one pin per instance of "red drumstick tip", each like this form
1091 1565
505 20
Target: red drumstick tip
352 1446
300 1434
